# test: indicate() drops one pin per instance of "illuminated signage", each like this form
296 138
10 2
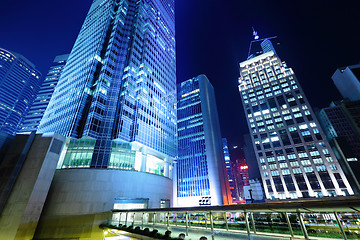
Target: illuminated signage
244 167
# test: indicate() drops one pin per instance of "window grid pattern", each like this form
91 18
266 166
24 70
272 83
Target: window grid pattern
122 80
293 155
19 83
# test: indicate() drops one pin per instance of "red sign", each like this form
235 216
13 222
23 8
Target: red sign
244 167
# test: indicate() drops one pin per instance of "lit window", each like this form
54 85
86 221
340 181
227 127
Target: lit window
285 172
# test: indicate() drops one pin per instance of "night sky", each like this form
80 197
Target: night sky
314 38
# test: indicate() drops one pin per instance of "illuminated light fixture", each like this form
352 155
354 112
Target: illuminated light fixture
256 36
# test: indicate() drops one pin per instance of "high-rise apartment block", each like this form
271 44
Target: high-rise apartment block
19 83
200 169
36 112
295 159
116 104
347 81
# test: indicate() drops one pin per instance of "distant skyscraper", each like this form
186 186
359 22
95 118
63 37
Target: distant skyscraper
116 103
347 81
294 157
232 184
240 171
250 156
19 83
36 112
341 124
201 171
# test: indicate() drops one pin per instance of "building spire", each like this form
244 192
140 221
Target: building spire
259 46
256 36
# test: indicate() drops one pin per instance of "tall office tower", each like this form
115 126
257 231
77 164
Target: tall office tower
341 124
116 101
36 112
19 83
294 157
250 156
232 184
347 81
240 170
201 172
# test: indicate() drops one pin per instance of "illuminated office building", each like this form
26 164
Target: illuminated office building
200 169
295 159
36 112
19 83
341 124
116 104
229 170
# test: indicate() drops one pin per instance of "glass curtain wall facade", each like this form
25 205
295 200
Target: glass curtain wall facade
347 81
19 83
295 159
201 172
341 124
116 98
232 184
36 112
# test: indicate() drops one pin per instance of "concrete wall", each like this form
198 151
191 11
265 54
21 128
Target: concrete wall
81 199
28 193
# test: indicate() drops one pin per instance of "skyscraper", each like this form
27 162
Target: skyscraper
118 87
347 81
295 159
341 124
19 83
119 82
116 103
200 169
229 170
36 112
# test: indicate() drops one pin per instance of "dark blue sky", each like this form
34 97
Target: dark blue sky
213 36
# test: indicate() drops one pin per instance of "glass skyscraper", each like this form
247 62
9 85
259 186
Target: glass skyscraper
116 98
347 81
229 170
19 83
294 157
116 104
36 112
200 169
